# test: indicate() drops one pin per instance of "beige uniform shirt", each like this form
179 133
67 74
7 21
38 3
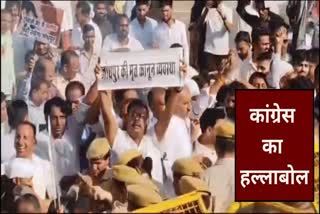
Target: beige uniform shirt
220 179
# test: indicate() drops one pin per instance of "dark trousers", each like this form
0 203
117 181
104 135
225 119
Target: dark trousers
211 62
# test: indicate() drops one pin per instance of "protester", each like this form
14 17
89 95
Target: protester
142 27
8 78
17 113
170 31
101 18
25 143
122 38
83 11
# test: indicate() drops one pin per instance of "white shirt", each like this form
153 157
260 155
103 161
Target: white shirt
175 144
111 43
67 20
7 146
165 36
87 66
220 179
247 68
77 39
217 36
36 114
143 33
61 83
65 151
5 128
42 179
200 149
124 142
279 68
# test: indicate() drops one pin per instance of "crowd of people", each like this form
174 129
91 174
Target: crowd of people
68 147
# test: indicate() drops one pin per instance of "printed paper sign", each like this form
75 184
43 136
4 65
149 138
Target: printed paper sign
41 22
142 69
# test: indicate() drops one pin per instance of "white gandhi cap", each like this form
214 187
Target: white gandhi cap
20 168
193 87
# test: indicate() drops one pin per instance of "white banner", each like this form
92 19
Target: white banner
142 69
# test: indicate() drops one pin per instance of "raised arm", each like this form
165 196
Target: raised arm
249 19
163 122
110 122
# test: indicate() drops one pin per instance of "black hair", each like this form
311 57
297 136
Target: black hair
277 25
119 95
138 103
36 83
96 3
57 102
142 2
85 7
3 97
66 57
232 87
120 17
299 56
200 80
257 33
264 56
166 3
40 68
75 85
110 2
87 28
176 45
224 146
313 55
242 36
221 94
28 123
29 7
17 112
300 82
258 75
150 98
30 199
210 117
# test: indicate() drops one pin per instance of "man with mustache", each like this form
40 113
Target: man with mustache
121 39
101 18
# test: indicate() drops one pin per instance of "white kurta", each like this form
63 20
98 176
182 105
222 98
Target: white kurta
112 43
77 39
124 142
42 179
217 36
165 36
143 34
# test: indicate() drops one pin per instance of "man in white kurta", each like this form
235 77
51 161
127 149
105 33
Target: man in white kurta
171 31
121 39
142 27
